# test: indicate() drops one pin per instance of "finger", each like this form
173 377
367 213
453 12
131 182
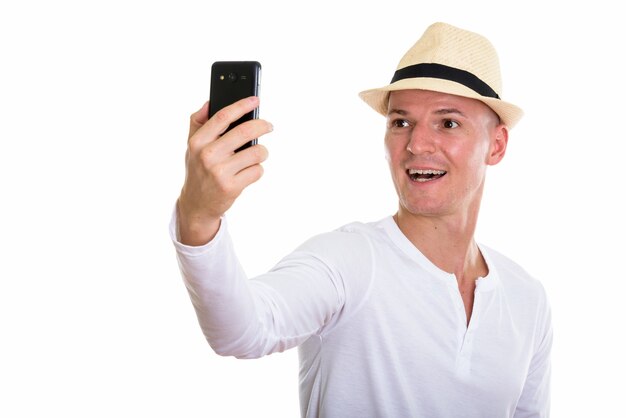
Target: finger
242 134
198 119
221 120
246 158
248 176
223 149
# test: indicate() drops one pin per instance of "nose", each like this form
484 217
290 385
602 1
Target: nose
421 141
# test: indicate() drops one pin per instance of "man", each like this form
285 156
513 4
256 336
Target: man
404 317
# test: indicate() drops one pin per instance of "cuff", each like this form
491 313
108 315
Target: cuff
190 250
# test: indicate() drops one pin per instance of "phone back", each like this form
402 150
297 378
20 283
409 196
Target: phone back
232 81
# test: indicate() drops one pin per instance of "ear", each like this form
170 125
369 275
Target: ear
499 141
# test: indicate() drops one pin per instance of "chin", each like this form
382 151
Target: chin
422 209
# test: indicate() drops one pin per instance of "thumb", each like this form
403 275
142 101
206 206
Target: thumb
198 119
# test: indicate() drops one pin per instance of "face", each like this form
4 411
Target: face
438 147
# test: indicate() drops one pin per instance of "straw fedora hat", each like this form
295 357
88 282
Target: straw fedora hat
450 60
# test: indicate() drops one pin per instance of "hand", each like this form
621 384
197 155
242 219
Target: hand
216 175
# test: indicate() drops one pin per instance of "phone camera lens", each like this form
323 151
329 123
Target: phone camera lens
232 77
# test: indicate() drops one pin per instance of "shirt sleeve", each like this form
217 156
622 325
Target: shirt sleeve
250 318
534 401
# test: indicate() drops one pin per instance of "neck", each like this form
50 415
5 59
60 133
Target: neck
447 241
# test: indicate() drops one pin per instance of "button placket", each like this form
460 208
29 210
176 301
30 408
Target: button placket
459 309
467 341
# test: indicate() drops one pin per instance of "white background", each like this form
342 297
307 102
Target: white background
94 106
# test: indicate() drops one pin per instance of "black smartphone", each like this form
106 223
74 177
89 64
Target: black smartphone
232 81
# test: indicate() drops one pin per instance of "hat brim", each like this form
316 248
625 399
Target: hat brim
378 98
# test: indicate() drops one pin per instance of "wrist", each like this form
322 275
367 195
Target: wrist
194 230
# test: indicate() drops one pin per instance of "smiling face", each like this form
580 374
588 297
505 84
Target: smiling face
438 147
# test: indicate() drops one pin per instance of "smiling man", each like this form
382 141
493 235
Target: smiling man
407 316
438 147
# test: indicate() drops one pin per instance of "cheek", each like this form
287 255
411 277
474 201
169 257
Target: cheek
394 148
472 155
483 154
476 166
387 152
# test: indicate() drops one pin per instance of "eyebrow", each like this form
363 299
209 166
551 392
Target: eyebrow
398 111
443 111
448 111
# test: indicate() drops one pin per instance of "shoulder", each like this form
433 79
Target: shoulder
355 238
525 295
345 255
519 283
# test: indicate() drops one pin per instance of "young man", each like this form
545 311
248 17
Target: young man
404 317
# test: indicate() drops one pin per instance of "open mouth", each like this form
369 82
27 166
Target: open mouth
422 176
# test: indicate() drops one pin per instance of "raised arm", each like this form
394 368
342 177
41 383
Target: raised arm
216 175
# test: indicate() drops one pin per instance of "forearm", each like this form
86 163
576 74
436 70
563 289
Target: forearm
219 291
251 318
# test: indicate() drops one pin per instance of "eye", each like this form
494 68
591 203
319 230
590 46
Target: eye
450 124
399 123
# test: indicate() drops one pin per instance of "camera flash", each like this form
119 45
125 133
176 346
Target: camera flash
221 77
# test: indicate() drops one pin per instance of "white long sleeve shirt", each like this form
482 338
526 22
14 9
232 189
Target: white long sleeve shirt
381 331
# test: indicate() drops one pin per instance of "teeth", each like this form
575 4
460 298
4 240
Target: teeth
422 176
436 172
